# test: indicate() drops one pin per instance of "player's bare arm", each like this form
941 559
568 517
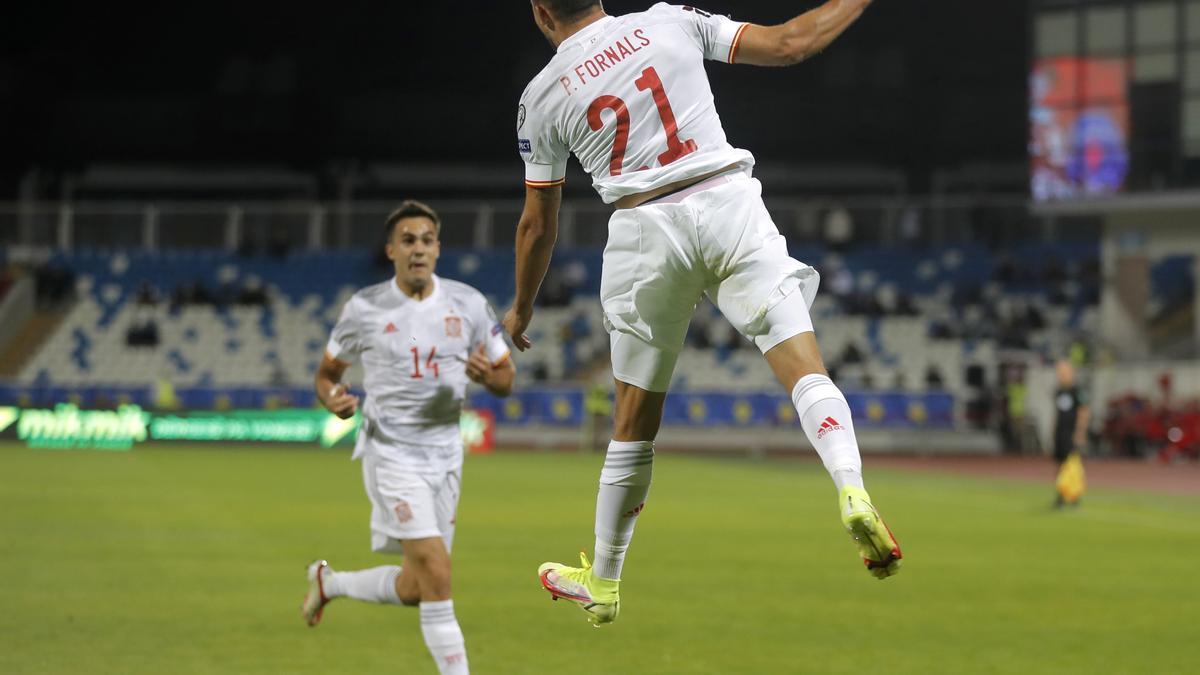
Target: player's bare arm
497 378
331 391
536 233
801 38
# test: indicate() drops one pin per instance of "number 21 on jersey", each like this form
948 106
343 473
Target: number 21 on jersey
649 81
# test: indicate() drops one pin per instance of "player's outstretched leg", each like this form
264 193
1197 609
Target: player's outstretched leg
825 417
377 585
624 486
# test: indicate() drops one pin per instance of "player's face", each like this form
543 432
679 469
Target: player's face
414 250
1065 373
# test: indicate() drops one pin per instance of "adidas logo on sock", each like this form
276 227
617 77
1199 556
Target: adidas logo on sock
828 426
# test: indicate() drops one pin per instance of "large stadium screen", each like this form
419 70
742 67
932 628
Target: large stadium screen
1079 127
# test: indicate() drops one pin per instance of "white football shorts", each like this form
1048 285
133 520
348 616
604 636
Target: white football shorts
715 238
408 503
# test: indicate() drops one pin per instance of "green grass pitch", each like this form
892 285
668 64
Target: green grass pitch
191 560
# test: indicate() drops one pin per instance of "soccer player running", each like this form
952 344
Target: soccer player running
629 96
419 338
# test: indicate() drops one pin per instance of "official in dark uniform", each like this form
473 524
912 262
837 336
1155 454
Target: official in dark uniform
1072 415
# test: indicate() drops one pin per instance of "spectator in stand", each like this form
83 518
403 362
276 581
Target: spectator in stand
252 294
55 285
941 329
851 355
147 295
1018 434
1034 317
572 334
697 336
933 378
279 376
1079 352
191 293
142 334
839 228
910 227
905 305
555 292
574 278
841 285
1013 335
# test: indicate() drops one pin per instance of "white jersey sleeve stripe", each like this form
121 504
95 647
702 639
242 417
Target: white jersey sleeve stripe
737 42
545 173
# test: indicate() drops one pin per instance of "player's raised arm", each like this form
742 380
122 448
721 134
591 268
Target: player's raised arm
536 234
799 39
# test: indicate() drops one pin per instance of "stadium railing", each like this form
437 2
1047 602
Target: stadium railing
892 221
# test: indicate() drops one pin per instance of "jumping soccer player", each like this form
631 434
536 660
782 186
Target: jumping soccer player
629 96
420 338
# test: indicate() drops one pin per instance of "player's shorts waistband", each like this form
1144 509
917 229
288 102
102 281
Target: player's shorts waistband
706 184
431 437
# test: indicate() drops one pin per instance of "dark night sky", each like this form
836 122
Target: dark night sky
918 84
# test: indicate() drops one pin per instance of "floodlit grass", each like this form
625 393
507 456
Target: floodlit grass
191 560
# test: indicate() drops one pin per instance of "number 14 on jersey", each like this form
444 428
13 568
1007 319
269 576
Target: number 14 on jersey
430 364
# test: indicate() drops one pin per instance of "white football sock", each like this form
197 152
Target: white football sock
443 637
825 416
624 484
377 584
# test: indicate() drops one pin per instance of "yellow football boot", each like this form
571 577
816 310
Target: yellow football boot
599 598
879 549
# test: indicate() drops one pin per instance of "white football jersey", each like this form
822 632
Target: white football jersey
629 96
414 355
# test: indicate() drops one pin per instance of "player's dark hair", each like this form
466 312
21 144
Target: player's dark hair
566 10
411 208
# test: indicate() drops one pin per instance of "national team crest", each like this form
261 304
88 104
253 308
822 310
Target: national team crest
403 511
453 327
